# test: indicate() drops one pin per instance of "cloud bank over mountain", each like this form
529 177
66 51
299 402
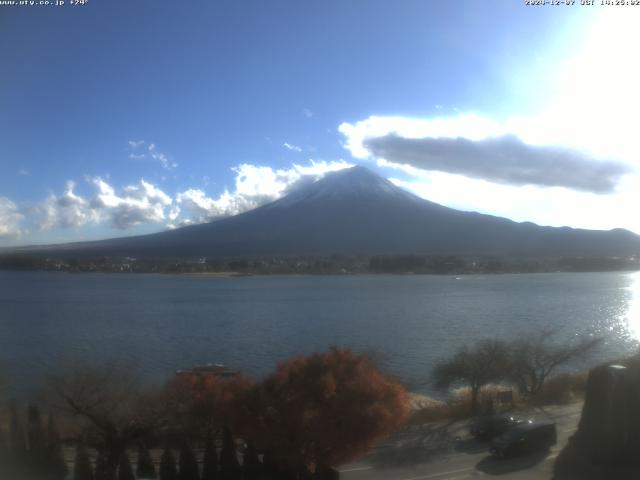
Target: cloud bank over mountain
144 203
482 149
505 159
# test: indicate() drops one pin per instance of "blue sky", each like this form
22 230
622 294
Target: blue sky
123 117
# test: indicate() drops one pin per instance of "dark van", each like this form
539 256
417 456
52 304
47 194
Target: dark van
525 438
486 428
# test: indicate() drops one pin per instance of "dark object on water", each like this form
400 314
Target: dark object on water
525 438
486 428
208 369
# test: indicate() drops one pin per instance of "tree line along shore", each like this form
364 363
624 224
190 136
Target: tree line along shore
320 265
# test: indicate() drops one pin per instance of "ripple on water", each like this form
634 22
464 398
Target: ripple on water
161 323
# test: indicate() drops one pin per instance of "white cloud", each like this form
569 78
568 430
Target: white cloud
24 172
137 204
255 185
542 205
10 220
408 169
144 203
307 113
65 211
141 150
469 126
161 157
200 208
260 182
291 147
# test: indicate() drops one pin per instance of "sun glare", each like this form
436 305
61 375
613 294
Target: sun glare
594 100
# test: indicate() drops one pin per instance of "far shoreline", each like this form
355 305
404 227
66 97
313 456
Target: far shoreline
232 274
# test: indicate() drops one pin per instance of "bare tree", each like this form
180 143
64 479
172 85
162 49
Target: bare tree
117 410
474 368
535 357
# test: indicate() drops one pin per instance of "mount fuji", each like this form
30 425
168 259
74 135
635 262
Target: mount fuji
355 211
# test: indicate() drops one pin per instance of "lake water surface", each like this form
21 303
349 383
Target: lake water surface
160 323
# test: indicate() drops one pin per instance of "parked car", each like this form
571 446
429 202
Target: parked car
528 437
486 428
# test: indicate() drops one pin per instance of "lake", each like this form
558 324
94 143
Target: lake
160 323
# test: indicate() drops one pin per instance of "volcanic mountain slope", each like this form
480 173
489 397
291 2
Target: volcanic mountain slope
355 211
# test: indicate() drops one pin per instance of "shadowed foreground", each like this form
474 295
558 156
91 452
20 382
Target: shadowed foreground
607 442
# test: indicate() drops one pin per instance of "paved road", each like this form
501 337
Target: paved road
446 452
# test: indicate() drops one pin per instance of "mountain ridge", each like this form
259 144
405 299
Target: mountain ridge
355 211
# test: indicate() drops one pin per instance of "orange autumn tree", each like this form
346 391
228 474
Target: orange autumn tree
325 409
207 402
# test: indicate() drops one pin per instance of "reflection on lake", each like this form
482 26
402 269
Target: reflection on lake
632 307
162 322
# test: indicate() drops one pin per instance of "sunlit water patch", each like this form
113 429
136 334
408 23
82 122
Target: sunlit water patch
631 317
